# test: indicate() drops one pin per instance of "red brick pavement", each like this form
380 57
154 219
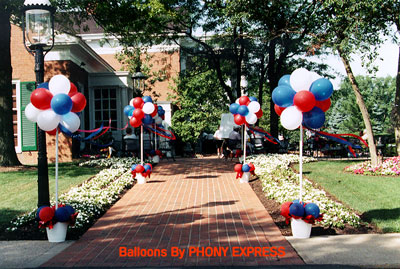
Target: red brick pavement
188 203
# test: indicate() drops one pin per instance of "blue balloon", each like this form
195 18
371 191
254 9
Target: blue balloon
283 96
246 168
314 119
70 209
147 119
153 152
44 85
147 167
38 211
312 209
233 108
322 89
61 103
147 99
133 167
252 98
284 81
62 214
243 110
128 110
297 210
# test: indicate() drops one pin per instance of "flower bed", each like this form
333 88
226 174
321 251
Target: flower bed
281 183
93 197
390 167
114 162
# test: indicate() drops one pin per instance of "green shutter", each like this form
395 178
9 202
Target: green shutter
28 128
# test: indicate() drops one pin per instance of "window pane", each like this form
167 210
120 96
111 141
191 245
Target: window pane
105 104
113 104
104 93
97 104
97 94
105 115
113 93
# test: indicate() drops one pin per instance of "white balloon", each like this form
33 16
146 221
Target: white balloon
31 112
314 76
148 108
59 84
237 101
301 80
48 120
253 107
251 118
71 121
291 118
131 102
158 120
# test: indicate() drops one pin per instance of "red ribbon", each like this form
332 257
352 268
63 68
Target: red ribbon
239 174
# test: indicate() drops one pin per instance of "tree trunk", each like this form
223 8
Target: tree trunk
396 118
273 82
363 109
8 156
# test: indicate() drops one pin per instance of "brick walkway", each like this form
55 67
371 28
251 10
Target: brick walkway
187 205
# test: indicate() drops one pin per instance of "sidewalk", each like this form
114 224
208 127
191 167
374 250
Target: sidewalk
187 205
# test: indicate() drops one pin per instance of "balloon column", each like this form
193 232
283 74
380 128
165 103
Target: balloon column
308 212
302 98
48 216
55 104
246 110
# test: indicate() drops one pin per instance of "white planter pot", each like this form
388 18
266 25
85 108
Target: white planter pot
300 228
140 179
245 177
58 233
156 159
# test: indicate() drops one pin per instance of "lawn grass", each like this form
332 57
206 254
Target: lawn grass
18 190
376 197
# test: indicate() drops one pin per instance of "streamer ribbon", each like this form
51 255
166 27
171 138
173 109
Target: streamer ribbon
161 132
339 138
264 133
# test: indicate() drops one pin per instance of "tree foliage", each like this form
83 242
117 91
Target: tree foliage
345 116
201 101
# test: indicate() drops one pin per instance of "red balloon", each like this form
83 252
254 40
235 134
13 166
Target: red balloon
324 105
239 119
279 109
46 214
138 113
78 102
73 90
304 101
285 209
155 112
238 168
52 132
139 168
259 113
138 102
244 100
41 98
252 167
135 122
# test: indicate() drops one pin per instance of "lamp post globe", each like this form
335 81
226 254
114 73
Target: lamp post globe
38 39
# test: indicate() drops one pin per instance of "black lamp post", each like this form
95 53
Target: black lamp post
138 79
38 38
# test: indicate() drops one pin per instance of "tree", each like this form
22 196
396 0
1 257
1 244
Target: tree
259 39
346 30
201 101
345 115
8 156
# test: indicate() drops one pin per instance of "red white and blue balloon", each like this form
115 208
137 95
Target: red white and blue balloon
246 110
302 98
56 103
141 110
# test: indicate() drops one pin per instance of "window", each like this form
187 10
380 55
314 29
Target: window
16 118
105 106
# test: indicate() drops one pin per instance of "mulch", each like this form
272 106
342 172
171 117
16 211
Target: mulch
274 209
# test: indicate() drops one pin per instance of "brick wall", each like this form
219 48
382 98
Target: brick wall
160 60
